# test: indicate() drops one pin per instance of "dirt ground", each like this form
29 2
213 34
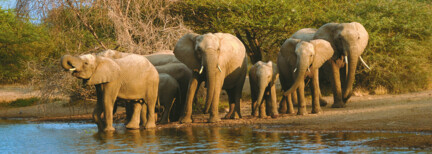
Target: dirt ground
405 112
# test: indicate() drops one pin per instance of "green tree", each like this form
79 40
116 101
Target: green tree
400 32
20 41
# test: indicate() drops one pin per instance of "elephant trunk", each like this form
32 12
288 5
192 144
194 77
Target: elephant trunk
300 76
352 66
261 90
211 66
69 62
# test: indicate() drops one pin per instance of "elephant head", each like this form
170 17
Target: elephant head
201 53
348 40
263 74
91 68
305 56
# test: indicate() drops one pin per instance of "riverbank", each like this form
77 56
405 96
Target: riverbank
411 112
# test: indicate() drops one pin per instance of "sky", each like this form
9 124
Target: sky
7 4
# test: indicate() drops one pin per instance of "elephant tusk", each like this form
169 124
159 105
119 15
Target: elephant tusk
295 69
72 69
308 69
220 70
364 63
346 59
202 68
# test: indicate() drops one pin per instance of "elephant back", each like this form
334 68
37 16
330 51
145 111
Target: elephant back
184 51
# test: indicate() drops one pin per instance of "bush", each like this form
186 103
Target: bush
399 50
24 102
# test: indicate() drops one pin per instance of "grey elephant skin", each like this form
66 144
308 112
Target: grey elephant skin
164 62
348 41
220 60
302 60
132 77
262 78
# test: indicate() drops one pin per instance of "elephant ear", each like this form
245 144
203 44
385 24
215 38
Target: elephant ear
323 52
288 50
106 71
184 51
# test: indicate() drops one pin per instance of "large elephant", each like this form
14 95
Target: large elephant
220 60
132 77
348 41
165 62
262 78
302 60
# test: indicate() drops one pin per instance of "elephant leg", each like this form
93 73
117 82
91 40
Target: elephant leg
110 91
97 112
322 101
166 112
273 105
151 118
187 115
231 105
135 118
143 114
316 108
301 99
336 86
234 96
294 98
129 106
283 105
291 100
262 107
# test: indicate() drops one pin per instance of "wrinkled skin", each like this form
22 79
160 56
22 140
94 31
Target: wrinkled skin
165 62
262 78
347 40
220 60
132 77
302 60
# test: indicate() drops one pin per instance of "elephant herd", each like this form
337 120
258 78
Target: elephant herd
168 81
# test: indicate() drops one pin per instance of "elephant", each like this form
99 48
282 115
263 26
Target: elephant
287 101
220 60
165 62
348 41
262 78
302 60
132 77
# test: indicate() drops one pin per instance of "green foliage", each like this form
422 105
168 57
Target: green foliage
399 50
20 41
24 102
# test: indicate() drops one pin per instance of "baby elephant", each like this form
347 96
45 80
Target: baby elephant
262 77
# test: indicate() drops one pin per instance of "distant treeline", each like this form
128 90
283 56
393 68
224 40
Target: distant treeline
399 50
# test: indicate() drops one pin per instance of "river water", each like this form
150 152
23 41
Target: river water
30 137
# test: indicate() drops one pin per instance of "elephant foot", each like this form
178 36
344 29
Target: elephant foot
302 112
345 100
275 116
185 120
214 119
109 129
323 102
132 126
235 116
338 105
291 111
316 111
164 122
150 125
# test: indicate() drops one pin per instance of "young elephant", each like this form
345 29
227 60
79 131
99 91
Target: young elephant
303 59
262 77
169 91
132 77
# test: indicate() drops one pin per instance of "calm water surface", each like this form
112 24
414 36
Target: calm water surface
27 137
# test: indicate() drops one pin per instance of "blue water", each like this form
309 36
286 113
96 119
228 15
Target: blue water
27 137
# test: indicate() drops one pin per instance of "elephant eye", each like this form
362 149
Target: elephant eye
86 63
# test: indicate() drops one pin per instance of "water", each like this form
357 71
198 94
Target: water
27 137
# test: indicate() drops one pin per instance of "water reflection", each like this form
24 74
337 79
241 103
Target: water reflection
84 138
